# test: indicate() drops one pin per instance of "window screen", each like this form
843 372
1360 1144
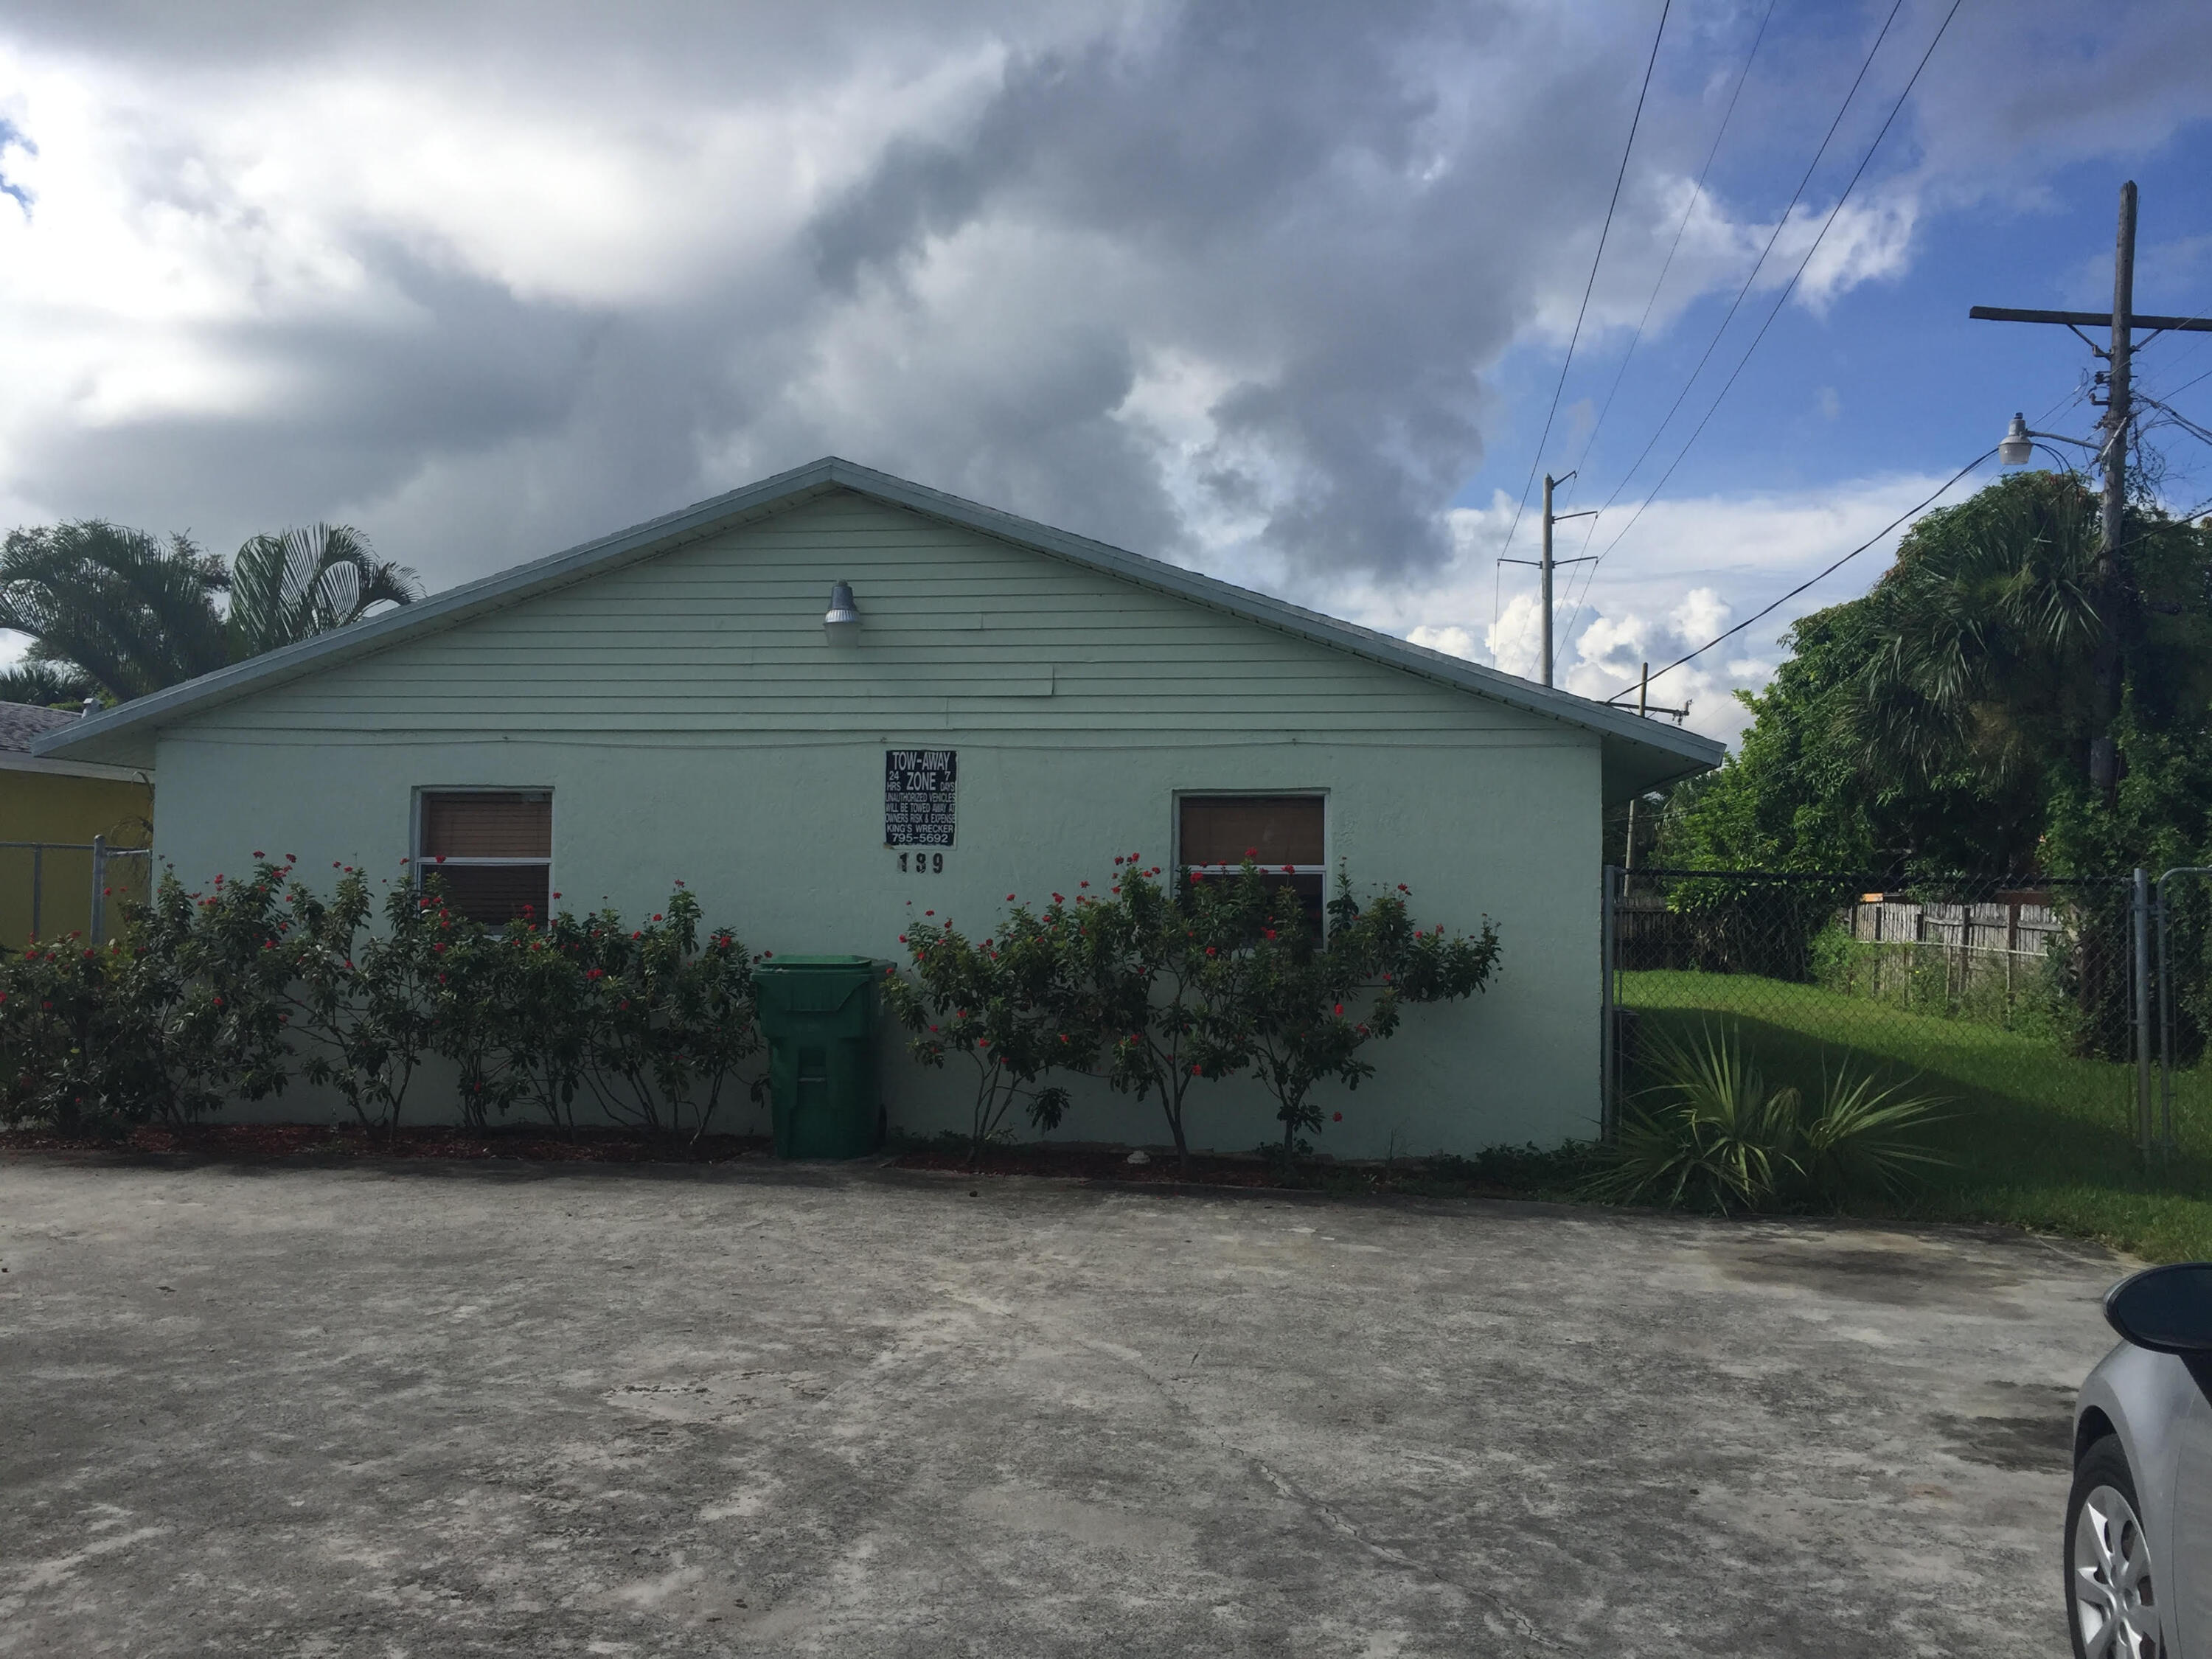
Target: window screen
493 849
1217 831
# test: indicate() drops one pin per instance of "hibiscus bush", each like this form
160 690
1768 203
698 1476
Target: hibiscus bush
1158 983
238 989
1008 1008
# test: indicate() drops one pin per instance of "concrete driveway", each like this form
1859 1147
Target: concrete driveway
437 1410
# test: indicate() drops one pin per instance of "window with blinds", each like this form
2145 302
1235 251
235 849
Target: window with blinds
492 849
1217 832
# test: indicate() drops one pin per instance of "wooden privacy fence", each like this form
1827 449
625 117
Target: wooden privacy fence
2005 940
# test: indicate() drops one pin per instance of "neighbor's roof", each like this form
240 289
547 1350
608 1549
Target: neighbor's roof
1638 753
20 722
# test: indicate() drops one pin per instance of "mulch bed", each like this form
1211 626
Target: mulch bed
1077 1161
1085 1163
280 1141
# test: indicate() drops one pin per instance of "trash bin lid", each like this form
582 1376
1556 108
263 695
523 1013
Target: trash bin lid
814 985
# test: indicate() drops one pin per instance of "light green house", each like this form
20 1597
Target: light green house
668 703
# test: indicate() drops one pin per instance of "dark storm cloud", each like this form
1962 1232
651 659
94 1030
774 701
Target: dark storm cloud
465 367
1221 282
1302 202
1313 208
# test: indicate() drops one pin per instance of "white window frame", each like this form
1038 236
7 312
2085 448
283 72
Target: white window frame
421 863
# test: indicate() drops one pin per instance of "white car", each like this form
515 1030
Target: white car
2139 1519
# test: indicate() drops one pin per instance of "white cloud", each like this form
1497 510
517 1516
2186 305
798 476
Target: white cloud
485 280
1694 568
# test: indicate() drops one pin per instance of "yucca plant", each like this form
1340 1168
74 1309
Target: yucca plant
1710 1134
1866 1133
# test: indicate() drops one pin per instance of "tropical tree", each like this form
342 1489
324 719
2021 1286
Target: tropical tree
116 613
288 587
43 683
1945 721
111 611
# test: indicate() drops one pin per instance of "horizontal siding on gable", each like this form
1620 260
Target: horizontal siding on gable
724 637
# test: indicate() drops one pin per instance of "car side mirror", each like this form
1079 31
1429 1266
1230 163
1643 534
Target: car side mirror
2166 1309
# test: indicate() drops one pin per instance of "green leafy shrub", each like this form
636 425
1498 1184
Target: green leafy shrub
361 999
1151 962
542 1040
670 1020
238 989
1712 1135
1302 1006
159 1025
1009 1005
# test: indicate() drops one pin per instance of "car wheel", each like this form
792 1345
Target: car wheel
2112 1602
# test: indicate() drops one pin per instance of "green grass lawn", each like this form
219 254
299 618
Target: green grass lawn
2039 1138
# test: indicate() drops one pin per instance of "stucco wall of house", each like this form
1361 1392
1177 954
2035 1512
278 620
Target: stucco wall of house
692 722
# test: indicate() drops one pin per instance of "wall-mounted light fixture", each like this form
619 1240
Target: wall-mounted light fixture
842 621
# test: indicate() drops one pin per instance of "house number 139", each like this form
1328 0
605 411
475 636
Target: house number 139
925 864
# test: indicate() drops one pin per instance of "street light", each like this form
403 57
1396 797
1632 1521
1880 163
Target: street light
2019 442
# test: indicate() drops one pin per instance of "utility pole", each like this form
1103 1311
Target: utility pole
1548 563
1643 710
2120 411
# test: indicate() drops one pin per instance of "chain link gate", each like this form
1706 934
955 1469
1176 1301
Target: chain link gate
2038 994
52 889
2184 1012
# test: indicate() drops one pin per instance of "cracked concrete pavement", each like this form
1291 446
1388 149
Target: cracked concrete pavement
415 1409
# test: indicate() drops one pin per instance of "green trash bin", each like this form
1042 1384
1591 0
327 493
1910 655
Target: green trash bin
819 1014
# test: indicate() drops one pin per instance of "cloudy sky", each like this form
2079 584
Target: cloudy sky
1281 291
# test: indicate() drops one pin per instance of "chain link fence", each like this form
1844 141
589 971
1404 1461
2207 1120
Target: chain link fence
52 889
2033 1001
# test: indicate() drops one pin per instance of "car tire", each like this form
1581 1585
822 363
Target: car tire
2115 1600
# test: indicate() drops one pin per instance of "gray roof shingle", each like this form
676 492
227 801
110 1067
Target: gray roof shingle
22 721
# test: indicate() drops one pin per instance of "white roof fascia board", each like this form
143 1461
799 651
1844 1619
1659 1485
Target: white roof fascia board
1671 751
15 760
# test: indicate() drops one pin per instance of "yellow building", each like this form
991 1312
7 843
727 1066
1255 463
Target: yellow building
52 814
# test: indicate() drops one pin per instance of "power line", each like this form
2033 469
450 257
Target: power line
1809 581
2176 417
1782 300
1635 121
2177 391
1697 194
2181 520
1780 224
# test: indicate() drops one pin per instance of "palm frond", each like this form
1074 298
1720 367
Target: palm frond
114 605
288 587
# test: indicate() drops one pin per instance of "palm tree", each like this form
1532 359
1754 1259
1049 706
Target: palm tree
1986 640
1984 631
286 588
113 612
43 683
113 607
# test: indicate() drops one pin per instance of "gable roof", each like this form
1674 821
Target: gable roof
1639 753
